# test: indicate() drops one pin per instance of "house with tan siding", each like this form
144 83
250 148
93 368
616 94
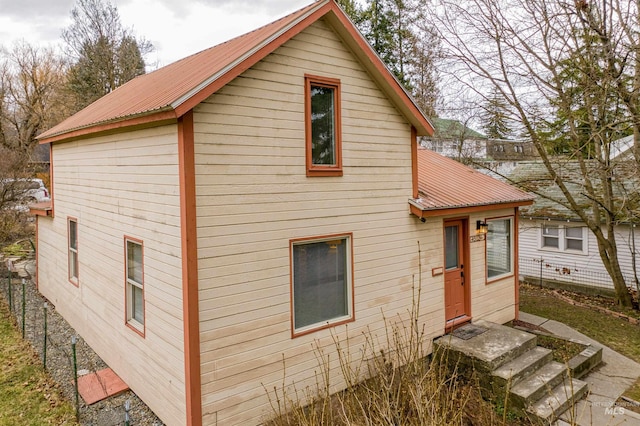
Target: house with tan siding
224 214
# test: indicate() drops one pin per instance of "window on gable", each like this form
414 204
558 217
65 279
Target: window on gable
323 128
322 288
499 248
135 284
72 238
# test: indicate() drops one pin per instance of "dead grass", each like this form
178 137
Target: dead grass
563 350
616 333
29 396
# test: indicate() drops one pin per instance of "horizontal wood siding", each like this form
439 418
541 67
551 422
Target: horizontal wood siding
494 301
253 197
584 268
119 185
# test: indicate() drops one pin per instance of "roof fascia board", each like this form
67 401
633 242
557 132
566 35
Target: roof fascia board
212 84
141 121
421 212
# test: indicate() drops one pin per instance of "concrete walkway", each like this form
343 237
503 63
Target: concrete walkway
606 383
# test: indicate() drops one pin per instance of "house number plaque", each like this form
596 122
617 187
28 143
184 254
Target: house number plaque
479 237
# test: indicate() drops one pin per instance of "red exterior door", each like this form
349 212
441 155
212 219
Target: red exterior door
454 275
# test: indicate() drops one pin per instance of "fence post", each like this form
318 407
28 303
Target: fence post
10 269
541 262
44 346
75 375
127 407
24 305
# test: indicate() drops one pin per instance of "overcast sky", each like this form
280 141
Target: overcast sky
176 28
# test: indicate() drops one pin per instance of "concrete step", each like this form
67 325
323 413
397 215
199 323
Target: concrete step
585 361
496 346
538 384
513 372
548 408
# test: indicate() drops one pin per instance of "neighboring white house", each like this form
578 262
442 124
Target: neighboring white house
555 244
218 218
455 140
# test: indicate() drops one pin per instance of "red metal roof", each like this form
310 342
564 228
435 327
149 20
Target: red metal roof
173 90
445 184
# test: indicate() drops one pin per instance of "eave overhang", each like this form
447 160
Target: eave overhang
423 212
41 209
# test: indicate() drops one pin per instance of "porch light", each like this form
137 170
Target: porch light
481 227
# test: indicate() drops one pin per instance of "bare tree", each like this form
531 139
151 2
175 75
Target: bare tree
13 214
103 53
32 98
568 72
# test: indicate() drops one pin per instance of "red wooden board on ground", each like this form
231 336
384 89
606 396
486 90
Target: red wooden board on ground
94 387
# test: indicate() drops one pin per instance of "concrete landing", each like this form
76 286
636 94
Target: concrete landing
491 348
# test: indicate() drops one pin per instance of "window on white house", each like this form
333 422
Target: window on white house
573 238
550 236
135 283
321 283
499 248
563 238
72 237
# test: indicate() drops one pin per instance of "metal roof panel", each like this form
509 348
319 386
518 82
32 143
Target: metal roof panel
444 183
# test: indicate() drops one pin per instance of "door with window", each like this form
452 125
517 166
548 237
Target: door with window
455 292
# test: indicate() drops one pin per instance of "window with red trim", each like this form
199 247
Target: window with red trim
72 238
322 284
323 126
499 248
135 283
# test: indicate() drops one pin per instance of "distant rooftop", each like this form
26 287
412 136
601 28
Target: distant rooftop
533 176
453 129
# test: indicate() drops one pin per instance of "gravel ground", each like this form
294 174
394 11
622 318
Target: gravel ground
60 358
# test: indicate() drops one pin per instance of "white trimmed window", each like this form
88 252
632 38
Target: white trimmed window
499 248
72 238
563 238
550 236
135 283
322 283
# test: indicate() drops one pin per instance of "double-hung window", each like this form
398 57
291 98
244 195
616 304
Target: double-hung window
499 248
323 126
321 283
72 238
134 259
563 238
550 236
573 238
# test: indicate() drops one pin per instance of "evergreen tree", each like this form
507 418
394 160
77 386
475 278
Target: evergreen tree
495 117
104 54
398 33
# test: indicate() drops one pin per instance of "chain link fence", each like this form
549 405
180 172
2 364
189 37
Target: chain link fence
543 272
